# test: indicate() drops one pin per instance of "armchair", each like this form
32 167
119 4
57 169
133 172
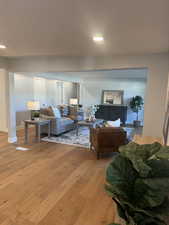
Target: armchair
107 139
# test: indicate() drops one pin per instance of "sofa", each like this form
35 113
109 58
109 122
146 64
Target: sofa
107 139
65 119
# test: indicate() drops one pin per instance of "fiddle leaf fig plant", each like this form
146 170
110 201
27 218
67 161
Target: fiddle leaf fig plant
137 179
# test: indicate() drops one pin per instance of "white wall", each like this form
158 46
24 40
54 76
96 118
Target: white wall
40 90
3 102
92 92
69 89
54 92
47 92
24 92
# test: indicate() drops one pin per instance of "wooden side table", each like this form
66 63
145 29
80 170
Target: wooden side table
37 124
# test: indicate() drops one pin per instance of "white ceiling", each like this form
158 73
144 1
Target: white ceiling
66 27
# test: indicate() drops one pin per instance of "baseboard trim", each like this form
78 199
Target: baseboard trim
4 130
19 127
12 139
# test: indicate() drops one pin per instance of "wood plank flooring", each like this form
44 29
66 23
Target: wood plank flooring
52 184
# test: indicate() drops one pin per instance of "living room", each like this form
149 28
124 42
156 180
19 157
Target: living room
87 87
93 57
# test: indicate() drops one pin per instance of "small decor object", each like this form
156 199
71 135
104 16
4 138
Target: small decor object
138 182
34 107
91 110
112 97
36 115
22 149
136 105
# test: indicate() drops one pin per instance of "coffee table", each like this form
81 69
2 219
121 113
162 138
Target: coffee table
89 124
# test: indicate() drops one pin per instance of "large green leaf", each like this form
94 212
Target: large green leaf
143 152
160 168
121 210
120 170
158 185
151 195
139 154
163 153
121 177
141 219
161 211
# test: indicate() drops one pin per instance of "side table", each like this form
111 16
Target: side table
37 124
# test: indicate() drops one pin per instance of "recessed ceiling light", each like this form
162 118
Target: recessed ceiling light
98 38
2 46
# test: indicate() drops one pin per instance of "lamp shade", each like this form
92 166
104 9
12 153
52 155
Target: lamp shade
33 105
73 101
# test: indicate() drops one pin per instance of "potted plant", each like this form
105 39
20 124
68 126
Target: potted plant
136 105
36 114
138 182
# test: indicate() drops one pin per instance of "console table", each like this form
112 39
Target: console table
112 112
37 124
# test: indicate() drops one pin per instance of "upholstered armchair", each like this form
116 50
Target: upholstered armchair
107 139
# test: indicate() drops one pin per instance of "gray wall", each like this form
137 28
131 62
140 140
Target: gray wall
92 92
48 92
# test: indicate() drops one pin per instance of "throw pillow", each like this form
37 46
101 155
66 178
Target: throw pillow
43 111
50 111
64 110
46 111
115 123
56 112
72 110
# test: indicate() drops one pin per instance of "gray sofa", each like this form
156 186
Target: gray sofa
67 122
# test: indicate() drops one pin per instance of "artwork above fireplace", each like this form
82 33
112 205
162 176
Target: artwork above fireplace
112 97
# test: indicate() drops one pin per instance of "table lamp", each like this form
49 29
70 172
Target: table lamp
73 101
33 106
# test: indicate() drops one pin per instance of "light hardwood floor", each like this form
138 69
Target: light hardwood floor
52 184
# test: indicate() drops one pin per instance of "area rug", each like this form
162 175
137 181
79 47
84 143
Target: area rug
70 138
82 140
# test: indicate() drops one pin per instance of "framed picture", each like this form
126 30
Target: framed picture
112 97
